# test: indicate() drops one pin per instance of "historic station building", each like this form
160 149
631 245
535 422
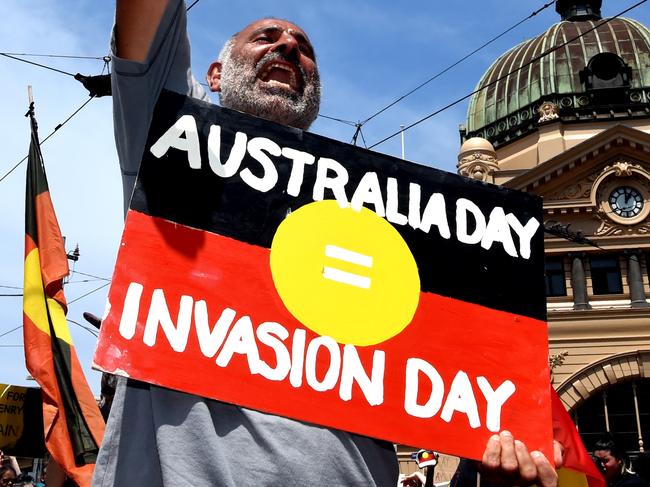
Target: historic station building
573 126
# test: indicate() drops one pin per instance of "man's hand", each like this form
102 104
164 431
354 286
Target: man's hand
416 479
507 461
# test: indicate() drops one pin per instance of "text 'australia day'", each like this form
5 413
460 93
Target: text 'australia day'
471 227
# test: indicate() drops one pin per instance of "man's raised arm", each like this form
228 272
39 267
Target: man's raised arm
136 22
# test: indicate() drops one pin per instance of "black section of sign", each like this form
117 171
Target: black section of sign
168 188
32 442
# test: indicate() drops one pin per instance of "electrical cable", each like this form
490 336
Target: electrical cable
36 64
89 330
347 122
11 287
45 139
89 275
501 78
193 3
451 66
29 54
83 281
10 295
11 331
88 293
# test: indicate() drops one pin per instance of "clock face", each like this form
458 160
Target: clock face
626 201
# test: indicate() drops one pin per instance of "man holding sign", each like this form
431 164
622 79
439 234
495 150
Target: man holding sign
159 436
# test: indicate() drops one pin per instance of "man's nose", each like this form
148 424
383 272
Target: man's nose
287 45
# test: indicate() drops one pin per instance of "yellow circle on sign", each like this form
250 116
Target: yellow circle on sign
345 273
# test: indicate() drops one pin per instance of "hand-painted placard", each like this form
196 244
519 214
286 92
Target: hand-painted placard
21 421
283 271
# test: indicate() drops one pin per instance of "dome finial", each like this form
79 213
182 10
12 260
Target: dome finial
573 10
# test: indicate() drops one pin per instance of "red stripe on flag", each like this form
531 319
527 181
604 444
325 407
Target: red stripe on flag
54 418
227 273
576 456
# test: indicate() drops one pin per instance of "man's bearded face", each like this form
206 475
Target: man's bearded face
276 86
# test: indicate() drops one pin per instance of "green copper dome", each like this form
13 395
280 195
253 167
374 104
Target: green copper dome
576 77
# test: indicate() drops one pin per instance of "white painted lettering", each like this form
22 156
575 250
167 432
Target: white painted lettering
368 192
130 310
463 206
257 148
415 195
210 340
525 233
186 125
430 408
392 203
241 340
273 335
297 357
498 230
336 184
300 160
461 398
331 376
495 401
159 315
435 213
237 153
353 371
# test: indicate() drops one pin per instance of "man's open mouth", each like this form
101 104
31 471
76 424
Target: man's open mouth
281 74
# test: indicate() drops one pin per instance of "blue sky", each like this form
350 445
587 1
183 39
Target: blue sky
369 53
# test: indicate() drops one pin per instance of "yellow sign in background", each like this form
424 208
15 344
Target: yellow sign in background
12 417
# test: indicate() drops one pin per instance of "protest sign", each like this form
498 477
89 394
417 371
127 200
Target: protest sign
287 272
21 421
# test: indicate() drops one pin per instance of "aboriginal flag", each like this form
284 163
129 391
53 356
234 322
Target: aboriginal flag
579 470
72 421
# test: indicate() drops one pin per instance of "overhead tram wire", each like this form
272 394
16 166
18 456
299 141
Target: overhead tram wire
58 56
88 293
36 64
193 3
11 331
89 330
90 275
464 58
501 78
46 138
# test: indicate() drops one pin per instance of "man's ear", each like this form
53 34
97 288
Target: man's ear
213 77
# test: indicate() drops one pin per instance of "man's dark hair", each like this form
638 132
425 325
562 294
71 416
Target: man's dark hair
607 442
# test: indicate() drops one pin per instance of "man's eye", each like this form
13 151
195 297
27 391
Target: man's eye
306 50
263 39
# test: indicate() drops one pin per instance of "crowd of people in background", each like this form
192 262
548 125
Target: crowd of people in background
612 461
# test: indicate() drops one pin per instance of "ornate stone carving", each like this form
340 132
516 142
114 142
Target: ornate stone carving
548 111
608 227
477 159
579 190
477 165
622 168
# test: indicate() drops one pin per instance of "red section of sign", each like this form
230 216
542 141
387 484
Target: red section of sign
454 337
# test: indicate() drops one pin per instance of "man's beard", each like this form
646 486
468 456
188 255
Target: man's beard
241 90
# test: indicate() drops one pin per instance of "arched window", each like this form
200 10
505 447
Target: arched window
605 70
622 409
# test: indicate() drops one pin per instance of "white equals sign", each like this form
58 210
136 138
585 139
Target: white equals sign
352 257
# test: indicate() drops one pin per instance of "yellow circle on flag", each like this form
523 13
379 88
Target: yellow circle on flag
345 273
